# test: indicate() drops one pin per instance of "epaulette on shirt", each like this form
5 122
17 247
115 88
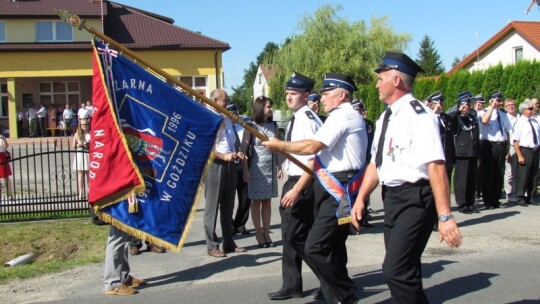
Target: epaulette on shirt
310 115
417 106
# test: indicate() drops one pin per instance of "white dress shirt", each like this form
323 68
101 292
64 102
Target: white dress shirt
411 142
306 124
344 135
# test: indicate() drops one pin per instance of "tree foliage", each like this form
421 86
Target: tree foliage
243 94
327 42
518 81
428 57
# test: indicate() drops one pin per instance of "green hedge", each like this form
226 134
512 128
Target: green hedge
518 81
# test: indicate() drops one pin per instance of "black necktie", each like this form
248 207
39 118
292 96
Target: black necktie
499 122
535 137
289 132
380 146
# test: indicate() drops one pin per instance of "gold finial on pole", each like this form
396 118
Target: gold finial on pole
73 20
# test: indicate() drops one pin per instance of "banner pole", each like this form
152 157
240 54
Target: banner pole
79 23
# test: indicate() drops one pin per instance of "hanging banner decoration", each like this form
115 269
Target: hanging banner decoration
170 138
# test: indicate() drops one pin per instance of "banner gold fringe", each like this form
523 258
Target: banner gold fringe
139 189
344 220
156 241
119 196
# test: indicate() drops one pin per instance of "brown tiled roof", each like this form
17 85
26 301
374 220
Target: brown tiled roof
529 30
43 8
135 28
46 47
266 70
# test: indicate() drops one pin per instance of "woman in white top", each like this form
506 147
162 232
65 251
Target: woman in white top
81 142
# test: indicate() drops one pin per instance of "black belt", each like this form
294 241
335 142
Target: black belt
345 174
222 162
421 182
294 178
495 142
527 148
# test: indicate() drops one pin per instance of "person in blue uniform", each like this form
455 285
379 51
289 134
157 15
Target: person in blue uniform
412 172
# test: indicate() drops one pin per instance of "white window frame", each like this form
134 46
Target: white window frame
193 81
54 33
3 34
518 50
67 93
2 95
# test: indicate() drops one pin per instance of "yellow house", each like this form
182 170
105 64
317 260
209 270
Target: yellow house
45 61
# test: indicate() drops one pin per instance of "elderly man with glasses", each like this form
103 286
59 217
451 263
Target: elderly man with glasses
526 142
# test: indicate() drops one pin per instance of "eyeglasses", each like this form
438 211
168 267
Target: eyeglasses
531 108
510 105
84 125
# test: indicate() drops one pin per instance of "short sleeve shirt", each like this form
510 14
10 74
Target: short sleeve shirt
344 135
306 124
523 132
411 142
496 129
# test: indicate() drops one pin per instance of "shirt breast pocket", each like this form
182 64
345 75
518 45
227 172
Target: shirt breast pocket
400 148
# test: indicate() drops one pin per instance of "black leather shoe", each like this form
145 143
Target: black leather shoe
465 211
317 294
285 293
473 209
522 203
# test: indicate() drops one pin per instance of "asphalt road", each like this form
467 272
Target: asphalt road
499 262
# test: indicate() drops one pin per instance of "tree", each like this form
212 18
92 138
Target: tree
428 58
457 60
243 94
329 43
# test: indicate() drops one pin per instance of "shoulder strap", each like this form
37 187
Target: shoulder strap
417 107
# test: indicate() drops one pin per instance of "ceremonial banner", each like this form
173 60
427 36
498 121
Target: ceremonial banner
170 138
111 151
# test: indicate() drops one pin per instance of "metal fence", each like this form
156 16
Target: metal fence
44 182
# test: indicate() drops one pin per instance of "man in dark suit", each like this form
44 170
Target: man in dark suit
435 101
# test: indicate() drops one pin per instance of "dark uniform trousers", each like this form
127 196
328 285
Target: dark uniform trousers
325 250
244 203
408 222
219 193
465 181
296 223
492 167
525 174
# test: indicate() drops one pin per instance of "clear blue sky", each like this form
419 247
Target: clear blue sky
457 27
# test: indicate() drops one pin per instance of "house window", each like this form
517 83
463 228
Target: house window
47 31
2 32
518 54
3 100
198 83
60 92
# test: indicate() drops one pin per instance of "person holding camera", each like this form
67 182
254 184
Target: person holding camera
81 143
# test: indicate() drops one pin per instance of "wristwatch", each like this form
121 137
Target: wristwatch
443 218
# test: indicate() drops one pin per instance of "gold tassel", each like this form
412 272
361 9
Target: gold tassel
133 204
